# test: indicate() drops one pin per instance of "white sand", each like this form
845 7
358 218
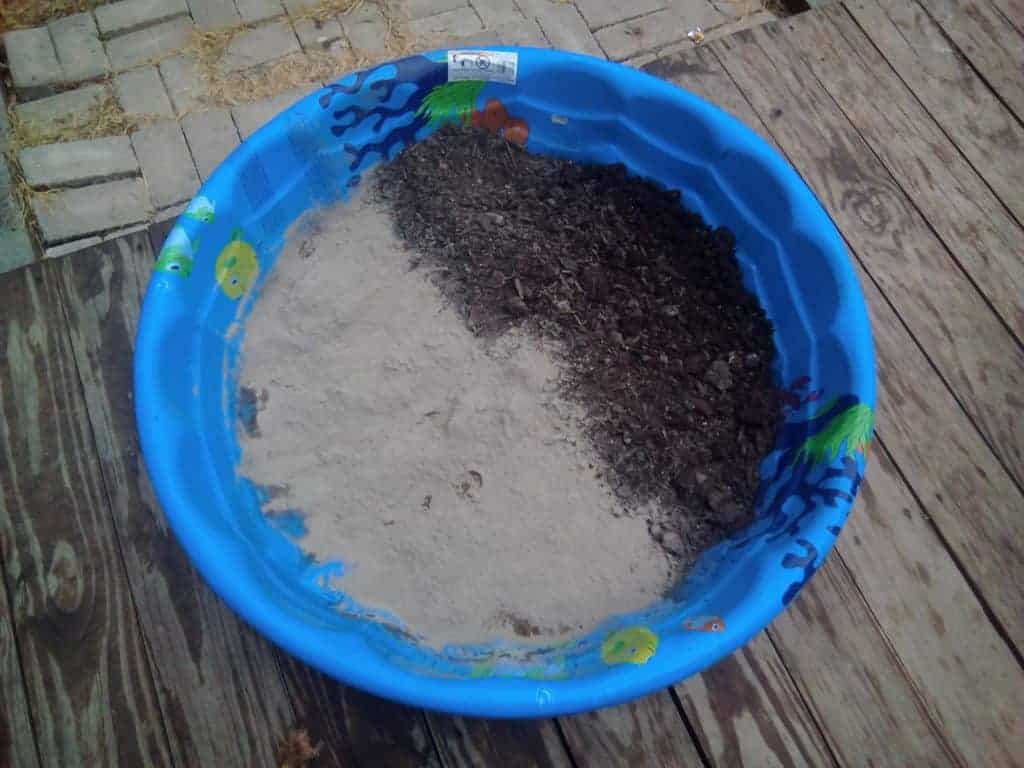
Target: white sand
445 471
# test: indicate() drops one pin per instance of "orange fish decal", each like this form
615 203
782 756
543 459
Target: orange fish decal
704 624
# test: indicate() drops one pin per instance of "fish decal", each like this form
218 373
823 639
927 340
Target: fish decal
201 209
704 624
632 645
176 256
236 267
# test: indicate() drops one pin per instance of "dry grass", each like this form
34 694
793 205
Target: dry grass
296 750
207 48
104 118
17 14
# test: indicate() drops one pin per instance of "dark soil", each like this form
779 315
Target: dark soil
667 351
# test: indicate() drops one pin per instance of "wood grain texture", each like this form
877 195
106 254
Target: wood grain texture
1013 12
90 688
746 707
989 40
645 732
465 742
219 685
967 494
967 677
17 742
747 711
897 246
852 680
982 236
355 728
948 87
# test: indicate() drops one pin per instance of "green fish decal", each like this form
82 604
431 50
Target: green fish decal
176 256
201 209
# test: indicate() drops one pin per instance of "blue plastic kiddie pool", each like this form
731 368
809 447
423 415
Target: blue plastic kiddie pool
209 273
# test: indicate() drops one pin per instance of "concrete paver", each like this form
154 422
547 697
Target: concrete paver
259 10
79 50
141 92
130 15
62 106
446 26
211 14
74 213
33 62
166 163
259 45
181 78
211 135
603 13
75 163
136 48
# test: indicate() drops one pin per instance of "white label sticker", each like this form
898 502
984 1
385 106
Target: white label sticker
498 66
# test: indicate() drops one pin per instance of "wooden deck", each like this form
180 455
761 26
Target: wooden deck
907 120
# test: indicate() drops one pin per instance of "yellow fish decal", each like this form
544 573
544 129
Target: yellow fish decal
632 645
236 267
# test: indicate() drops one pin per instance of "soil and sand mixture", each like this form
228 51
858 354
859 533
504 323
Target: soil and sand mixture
512 394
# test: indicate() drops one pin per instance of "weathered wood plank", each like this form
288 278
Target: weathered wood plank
17 744
471 742
219 683
852 680
991 44
915 272
984 239
966 675
90 687
746 711
1013 11
355 728
965 491
957 99
645 732
746 707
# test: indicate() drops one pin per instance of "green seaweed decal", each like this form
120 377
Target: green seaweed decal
846 433
450 102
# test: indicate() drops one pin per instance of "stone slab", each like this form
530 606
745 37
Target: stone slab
495 13
139 47
74 213
211 136
79 49
524 32
366 29
166 163
648 33
61 106
181 79
259 10
700 13
259 45
603 13
420 9
317 35
446 26
250 117
141 92
566 30
77 163
212 14
130 15
33 62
